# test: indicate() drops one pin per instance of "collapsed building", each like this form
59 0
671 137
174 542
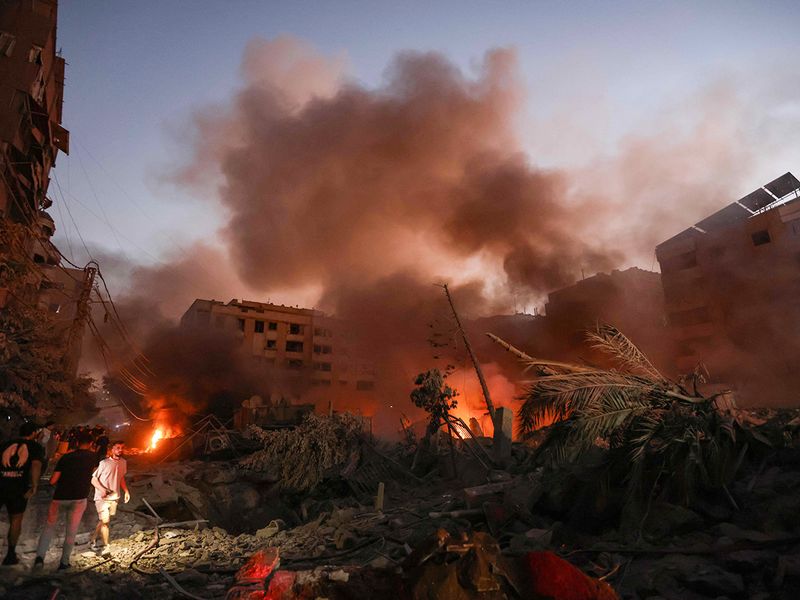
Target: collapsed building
731 284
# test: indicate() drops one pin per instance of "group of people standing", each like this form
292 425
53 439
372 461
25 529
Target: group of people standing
86 461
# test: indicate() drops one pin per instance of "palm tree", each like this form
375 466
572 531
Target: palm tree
659 434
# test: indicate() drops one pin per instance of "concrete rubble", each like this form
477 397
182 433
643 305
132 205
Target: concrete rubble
488 534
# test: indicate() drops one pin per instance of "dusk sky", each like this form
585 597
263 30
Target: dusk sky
599 77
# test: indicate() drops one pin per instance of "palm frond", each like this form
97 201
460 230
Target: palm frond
555 397
624 352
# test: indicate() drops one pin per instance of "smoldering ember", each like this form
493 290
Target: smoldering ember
380 318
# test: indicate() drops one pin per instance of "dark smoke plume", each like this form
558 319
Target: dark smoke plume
356 200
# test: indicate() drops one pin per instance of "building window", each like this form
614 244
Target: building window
294 346
326 382
272 344
295 329
343 382
240 324
761 237
259 328
322 366
294 363
273 326
7 42
364 385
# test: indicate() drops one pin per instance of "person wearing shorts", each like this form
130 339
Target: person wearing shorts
108 480
20 467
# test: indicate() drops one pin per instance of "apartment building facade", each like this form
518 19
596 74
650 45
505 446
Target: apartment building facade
31 93
630 299
731 287
299 342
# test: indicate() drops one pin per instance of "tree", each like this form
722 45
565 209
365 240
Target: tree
436 398
661 437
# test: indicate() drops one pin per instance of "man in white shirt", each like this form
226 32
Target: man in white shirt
108 478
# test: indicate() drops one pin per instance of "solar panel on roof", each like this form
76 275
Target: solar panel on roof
733 213
757 200
783 185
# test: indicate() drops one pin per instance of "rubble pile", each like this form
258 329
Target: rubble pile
299 458
490 533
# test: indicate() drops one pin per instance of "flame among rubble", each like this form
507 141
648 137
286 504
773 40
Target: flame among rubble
157 435
160 433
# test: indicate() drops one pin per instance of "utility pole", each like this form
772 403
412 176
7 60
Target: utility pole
475 363
81 313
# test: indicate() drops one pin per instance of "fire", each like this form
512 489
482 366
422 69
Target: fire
158 434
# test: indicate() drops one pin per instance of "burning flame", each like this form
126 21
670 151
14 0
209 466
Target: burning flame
157 435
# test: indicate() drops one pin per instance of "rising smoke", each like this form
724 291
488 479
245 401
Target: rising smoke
356 200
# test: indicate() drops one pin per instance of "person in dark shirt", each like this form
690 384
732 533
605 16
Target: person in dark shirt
72 478
20 467
101 441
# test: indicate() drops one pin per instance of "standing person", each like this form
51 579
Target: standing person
72 478
71 439
44 438
107 479
20 468
62 446
101 441
45 433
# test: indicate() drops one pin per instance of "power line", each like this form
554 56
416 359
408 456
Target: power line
133 201
66 232
97 200
69 212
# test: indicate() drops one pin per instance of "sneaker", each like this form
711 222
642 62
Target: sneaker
63 567
11 559
105 552
93 545
38 563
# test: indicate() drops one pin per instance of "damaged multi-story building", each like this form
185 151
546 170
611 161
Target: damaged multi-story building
42 303
630 299
731 286
304 352
31 93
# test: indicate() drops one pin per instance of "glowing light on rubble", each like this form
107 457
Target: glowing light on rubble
157 435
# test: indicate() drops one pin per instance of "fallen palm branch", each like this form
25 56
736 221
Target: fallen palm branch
650 424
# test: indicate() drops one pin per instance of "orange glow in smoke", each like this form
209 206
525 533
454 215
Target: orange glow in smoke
157 435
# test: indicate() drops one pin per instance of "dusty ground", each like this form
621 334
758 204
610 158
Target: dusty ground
713 550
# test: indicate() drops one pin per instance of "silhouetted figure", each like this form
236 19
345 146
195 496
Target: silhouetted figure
20 467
